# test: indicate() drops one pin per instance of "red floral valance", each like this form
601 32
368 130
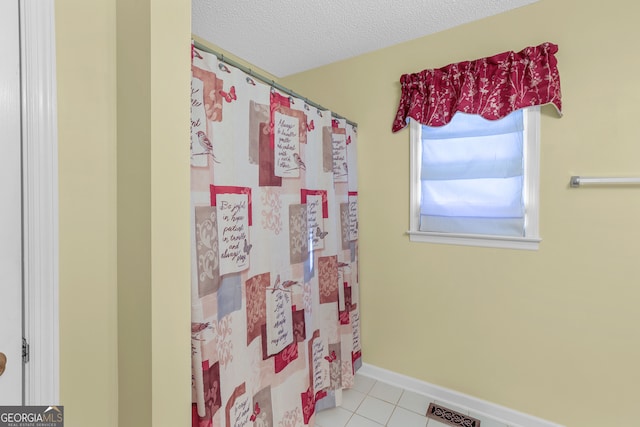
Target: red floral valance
492 87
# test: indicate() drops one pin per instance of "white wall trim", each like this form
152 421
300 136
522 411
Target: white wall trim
444 395
40 200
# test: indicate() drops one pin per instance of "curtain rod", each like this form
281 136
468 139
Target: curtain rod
266 80
577 181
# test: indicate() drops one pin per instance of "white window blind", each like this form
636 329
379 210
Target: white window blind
472 176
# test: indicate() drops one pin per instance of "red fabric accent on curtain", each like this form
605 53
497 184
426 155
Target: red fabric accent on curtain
492 87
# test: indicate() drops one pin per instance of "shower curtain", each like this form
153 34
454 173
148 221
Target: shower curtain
275 315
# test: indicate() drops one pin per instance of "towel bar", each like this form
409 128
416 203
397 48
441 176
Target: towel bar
577 181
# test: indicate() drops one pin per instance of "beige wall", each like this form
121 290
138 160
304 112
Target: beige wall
85 38
124 221
554 333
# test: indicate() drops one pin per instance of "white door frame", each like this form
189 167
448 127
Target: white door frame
11 199
40 194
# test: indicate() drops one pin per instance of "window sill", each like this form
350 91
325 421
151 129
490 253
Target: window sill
487 241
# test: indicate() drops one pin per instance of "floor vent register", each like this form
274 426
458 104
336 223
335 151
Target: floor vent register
451 417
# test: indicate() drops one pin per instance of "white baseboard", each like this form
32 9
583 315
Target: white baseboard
444 395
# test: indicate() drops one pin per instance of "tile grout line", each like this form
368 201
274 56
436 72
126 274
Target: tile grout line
397 409
355 410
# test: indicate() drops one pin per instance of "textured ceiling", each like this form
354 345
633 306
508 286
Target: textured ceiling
284 37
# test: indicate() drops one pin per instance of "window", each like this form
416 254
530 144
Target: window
475 181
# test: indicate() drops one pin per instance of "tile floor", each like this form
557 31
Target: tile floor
372 403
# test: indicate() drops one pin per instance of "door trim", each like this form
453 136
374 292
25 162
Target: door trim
40 201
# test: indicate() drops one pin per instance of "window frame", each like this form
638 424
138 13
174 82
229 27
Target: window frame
531 239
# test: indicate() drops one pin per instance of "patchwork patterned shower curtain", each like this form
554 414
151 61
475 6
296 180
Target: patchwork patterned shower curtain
275 314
